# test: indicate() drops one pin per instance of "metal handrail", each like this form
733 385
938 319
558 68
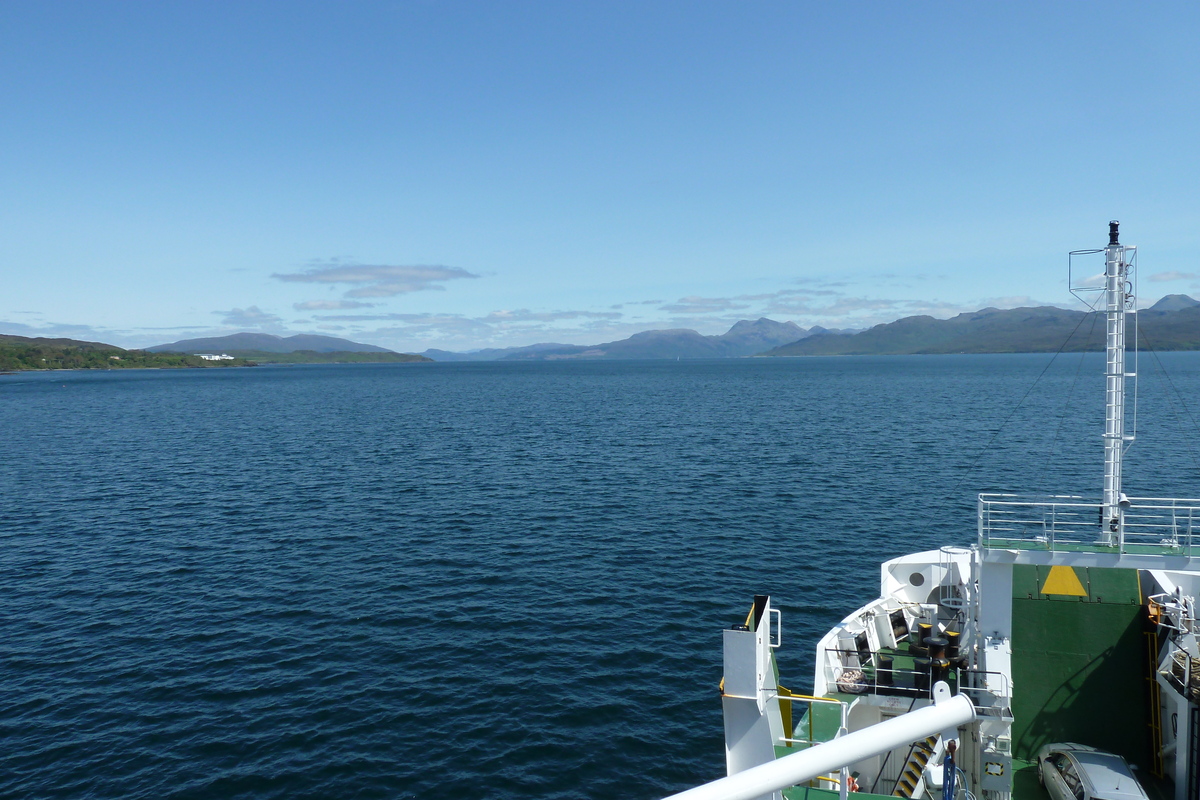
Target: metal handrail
1168 525
805 698
971 682
972 674
1179 657
835 670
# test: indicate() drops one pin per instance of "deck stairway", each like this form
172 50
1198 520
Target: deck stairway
909 784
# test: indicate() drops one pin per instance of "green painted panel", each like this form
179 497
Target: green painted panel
1078 674
818 722
1102 585
1025 581
828 719
1114 586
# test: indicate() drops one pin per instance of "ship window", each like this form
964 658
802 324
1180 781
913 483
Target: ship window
916 579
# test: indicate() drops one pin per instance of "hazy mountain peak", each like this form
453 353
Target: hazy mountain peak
1174 302
268 343
672 332
762 323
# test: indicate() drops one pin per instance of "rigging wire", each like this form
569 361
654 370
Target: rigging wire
1071 392
949 495
1183 404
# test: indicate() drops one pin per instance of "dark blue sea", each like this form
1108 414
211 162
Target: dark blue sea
481 580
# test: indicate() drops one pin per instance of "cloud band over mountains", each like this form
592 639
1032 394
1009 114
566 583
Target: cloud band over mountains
330 305
378 280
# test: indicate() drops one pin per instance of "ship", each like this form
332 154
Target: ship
1071 622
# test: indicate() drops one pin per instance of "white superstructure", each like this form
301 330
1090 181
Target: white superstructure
1069 619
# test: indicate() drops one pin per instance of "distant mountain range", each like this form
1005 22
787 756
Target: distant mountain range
303 348
489 354
1172 323
745 338
267 343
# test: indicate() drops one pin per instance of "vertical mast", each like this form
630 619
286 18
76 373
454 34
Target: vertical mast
1116 283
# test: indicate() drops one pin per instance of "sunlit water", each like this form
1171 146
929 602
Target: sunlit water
480 580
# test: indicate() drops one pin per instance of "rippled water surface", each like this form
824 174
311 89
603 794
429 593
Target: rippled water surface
479 580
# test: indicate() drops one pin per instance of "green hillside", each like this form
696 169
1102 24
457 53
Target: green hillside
22 353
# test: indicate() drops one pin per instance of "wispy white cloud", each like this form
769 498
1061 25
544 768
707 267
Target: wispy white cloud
379 280
250 317
903 280
330 305
121 337
363 320
498 328
703 305
55 330
422 331
785 293
1163 277
525 315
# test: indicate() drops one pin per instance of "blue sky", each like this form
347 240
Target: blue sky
463 175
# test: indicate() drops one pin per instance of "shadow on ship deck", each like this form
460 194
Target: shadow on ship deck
1082 670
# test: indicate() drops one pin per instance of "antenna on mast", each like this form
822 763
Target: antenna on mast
1116 289
1118 297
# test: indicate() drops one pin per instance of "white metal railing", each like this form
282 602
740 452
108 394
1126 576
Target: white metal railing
940 719
988 690
1168 526
843 708
848 678
1182 670
810 700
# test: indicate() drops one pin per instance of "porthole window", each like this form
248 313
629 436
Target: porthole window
916 579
